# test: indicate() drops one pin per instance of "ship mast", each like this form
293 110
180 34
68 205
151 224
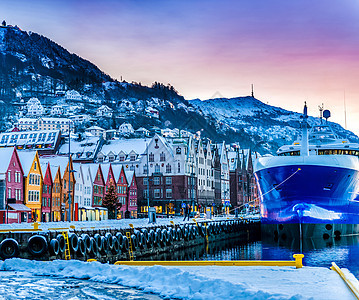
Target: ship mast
304 150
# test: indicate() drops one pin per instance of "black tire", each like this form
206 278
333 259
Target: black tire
134 242
164 237
9 248
54 247
81 249
62 243
93 252
109 237
125 244
115 249
179 234
74 242
37 245
105 245
119 237
86 239
99 242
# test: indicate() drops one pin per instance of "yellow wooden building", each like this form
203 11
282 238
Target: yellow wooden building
33 182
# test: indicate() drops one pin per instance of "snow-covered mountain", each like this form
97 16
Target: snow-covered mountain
32 65
268 126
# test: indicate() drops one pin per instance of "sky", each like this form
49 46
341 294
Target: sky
291 51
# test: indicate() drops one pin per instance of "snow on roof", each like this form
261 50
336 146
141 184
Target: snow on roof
5 154
116 171
26 160
55 162
129 176
94 128
80 148
126 145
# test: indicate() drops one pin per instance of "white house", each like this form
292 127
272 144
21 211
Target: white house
95 130
152 112
104 111
73 96
57 110
125 129
34 107
79 186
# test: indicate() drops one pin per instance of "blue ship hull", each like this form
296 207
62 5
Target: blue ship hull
309 199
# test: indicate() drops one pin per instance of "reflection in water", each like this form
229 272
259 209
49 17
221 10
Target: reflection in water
317 252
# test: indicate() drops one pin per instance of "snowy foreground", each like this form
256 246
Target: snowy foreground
269 283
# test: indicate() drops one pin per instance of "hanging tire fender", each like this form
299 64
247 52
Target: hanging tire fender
37 245
54 247
9 248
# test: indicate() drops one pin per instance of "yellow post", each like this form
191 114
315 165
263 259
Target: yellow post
91 260
35 225
349 284
298 260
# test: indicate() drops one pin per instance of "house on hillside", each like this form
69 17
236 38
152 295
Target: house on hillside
104 111
125 129
34 107
96 131
73 95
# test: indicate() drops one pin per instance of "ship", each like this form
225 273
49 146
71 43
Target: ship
310 189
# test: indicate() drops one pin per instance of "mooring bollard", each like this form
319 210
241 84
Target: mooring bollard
298 260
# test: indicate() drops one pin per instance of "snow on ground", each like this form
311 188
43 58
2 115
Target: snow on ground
213 282
123 223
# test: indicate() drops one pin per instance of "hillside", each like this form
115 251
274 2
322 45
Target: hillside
32 65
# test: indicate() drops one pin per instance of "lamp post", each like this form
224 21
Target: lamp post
69 212
148 186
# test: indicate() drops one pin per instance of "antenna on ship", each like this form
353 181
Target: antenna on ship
321 107
304 149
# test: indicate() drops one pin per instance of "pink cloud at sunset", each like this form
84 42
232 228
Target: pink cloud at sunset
292 51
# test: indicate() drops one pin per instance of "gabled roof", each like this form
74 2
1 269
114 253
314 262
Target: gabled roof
26 159
5 154
129 176
55 162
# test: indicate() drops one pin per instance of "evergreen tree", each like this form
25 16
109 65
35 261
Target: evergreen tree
110 202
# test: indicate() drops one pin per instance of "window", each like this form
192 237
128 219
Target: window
145 181
178 150
145 194
157 168
9 176
168 168
162 157
17 176
122 158
179 168
18 194
156 180
132 168
157 193
168 180
132 157
151 157
145 169
35 165
9 193
168 193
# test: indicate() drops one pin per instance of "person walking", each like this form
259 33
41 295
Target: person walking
186 212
